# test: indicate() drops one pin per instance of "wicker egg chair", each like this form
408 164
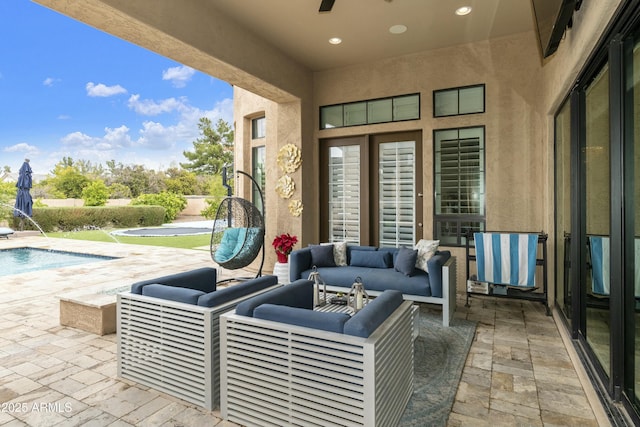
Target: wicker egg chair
238 231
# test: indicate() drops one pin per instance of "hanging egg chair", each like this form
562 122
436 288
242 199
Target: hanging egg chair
238 231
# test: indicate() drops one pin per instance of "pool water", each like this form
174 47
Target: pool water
23 260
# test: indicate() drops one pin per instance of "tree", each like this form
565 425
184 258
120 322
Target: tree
136 177
180 181
67 180
218 193
212 150
7 194
173 203
95 193
119 191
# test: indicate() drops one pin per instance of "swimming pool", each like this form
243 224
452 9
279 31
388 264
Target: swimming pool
23 260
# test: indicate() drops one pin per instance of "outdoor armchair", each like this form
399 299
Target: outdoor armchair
168 332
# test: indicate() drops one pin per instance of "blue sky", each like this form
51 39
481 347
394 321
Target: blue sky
67 89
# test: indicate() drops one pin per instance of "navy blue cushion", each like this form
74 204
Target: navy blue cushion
297 294
358 248
322 256
405 262
173 293
373 259
332 322
233 292
367 320
376 279
202 279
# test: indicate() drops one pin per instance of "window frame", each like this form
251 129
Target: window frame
458 89
369 180
258 123
367 104
457 218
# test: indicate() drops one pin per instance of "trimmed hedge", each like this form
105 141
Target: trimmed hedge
78 218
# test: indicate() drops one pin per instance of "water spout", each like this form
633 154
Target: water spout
24 215
111 236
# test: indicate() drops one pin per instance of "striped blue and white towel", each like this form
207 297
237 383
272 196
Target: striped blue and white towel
600 272
599 247
506 258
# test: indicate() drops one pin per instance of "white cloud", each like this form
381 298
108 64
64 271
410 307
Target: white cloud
49 81
22 147
178 76
156 145
112 139
149 107
103 90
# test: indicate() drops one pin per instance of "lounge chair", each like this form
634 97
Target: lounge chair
168 334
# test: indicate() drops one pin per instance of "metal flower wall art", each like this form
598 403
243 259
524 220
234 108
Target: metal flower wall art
285 187
289 158
295 207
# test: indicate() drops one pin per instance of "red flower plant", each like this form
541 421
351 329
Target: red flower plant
283 245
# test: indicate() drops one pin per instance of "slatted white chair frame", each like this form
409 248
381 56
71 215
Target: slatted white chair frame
276 374
172 347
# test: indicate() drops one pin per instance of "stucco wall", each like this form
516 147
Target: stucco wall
515 150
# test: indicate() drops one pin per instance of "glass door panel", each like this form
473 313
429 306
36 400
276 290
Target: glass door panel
344 193
635 81
597 217
563 208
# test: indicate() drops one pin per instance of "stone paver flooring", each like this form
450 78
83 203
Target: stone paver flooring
518 371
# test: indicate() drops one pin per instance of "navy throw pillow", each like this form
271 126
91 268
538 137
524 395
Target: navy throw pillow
371 259
406 261
322 256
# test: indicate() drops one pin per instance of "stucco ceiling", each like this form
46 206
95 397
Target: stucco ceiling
303 34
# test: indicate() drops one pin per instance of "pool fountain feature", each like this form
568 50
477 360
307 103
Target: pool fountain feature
24 214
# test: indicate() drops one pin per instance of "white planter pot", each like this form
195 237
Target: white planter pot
281 270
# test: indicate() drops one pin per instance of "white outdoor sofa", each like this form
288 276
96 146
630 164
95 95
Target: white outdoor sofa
282 364
168 334
379 270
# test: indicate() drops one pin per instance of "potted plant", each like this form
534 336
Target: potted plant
283 244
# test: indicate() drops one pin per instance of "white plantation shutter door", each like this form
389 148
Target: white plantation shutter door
397 194
344 193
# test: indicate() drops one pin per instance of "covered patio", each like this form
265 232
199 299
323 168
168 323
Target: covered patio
518 370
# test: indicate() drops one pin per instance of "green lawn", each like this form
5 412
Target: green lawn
184 242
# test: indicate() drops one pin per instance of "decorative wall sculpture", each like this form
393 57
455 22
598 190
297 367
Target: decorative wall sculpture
285 187
296 207
289 158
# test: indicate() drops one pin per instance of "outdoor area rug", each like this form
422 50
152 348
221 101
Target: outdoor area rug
439 358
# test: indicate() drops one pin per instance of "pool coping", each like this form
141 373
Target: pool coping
85 289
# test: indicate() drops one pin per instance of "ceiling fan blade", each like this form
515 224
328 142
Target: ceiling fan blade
326 5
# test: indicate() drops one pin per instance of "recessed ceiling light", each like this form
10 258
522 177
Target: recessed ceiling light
464 10
397 29
335 40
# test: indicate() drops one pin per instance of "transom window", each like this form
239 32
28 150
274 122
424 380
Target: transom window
458 101
383 110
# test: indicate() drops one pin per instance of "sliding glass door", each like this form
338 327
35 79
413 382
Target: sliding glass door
563 208
597 189
597 196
